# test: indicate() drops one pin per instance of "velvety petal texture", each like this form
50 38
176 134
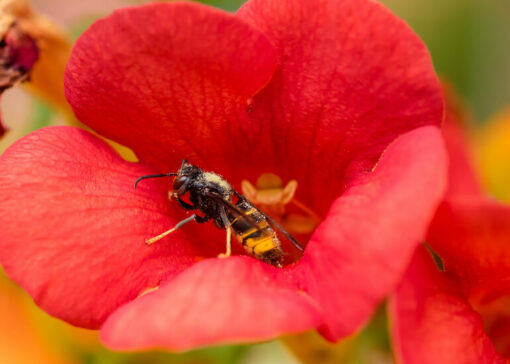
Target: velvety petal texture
433 323
173 75
73 226
358 254
351 78
216 301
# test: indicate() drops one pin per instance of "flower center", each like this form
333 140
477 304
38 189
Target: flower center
242 215
280 203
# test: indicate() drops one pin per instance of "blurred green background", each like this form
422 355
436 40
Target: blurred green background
469 41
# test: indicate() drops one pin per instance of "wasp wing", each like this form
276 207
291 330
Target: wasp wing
273 223
233 208
277 226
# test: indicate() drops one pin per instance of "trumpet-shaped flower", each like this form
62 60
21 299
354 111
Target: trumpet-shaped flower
338 95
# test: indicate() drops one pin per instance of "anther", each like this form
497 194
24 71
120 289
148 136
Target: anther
274 198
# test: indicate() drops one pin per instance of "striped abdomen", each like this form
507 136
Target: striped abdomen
261 241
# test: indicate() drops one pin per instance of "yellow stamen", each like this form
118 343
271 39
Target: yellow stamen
229 244
159 237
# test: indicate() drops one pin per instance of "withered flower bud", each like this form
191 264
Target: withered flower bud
18 54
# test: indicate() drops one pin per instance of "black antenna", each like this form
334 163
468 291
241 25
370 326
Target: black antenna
154 176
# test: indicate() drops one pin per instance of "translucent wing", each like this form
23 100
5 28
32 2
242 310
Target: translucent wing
234 209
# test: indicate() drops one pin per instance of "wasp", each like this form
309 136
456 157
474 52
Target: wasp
216 200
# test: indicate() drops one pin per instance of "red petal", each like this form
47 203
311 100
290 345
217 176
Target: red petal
165 79
471 234
462 178
73 227
216 301
432 323
357 255
351 78
496 319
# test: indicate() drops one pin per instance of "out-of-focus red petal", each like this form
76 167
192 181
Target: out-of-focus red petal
358 254
496 320
462 178
433 323
73 226
169 80
472 234
216 301
351 78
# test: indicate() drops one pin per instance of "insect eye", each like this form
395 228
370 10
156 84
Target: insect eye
179 181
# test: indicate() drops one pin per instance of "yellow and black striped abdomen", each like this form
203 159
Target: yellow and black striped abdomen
260 241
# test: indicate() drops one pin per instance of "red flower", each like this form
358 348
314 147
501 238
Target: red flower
460 314
309 90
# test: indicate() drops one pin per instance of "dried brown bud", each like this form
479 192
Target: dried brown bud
18 54
34 49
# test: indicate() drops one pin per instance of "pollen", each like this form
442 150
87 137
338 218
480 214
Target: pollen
280 202
215 178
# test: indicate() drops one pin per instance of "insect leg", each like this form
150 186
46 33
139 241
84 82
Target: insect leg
201 219
228 252
226 222
177 226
